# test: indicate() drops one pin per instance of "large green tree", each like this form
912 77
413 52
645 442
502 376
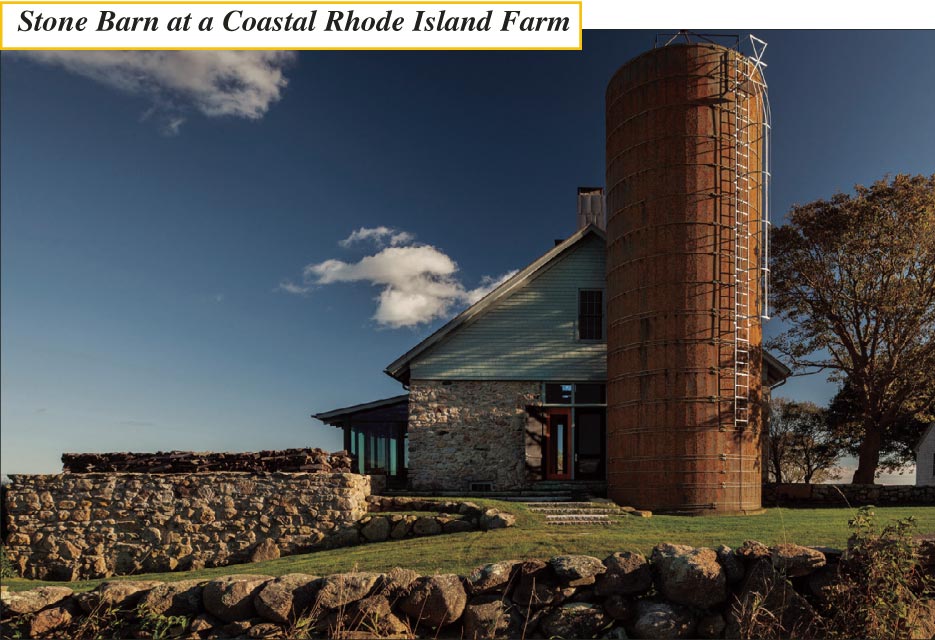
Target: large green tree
853 277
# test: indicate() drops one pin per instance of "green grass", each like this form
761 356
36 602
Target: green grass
532 538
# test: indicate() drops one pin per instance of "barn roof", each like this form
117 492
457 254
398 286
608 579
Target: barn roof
399 368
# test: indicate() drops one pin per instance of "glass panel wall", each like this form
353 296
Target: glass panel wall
377 448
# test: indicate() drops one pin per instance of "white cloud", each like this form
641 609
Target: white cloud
381 236
290 287
241 84
419 282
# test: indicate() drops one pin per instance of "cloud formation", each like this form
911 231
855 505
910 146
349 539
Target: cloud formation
418 282
381 236
241 84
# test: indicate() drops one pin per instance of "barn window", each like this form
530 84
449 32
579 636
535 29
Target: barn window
591 315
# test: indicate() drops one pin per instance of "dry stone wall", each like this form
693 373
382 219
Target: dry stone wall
676 592
69 527
468 431
845 495
316 460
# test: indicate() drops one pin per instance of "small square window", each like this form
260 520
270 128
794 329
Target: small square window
591 315
558 394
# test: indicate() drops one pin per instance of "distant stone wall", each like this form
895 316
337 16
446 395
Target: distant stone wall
68 527
842 495
466 431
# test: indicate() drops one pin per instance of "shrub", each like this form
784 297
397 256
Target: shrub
878 593
6 567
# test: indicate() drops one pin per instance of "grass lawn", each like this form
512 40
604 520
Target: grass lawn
532 538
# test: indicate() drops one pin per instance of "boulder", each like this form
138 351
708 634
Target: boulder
491 577
689 576
49 620
662 620
287 598
490 616
401 529
182 598
346 537
230 598
535 586
574 620
118 594
377 530
396 582
711 626
373 615
794 560
435 601
470 509
342 589
23 602
204 623
457 526
733 567
267 549
494 519
426 526
620 607
775 600
751 551
627 573
822 581
576 570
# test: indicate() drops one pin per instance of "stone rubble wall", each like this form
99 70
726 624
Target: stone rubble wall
678 592
844 495
317 460
82 526
465 431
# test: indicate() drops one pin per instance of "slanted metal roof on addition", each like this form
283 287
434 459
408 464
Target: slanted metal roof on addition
335 415
399 369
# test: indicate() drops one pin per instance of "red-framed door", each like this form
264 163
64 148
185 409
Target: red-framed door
558 445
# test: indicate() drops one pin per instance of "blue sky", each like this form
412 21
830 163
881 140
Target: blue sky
153 211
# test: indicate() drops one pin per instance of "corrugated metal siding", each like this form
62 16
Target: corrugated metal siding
530 335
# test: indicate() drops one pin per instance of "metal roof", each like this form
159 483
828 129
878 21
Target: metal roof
327 416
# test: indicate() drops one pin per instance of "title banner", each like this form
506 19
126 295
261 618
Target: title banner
292 25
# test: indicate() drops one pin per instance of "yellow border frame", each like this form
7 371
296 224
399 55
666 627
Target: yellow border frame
580 4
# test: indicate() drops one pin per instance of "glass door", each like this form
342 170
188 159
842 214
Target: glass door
558 447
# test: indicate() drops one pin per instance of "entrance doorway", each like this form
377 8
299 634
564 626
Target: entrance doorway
558 445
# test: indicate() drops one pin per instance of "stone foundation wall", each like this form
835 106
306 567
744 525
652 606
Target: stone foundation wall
842 495
466 431
68 527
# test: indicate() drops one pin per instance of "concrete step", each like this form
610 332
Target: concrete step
578 520
571 504
577 512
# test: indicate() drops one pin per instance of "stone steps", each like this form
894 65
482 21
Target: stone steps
576 519
570 504
575 512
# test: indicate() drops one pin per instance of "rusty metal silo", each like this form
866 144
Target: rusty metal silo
687 128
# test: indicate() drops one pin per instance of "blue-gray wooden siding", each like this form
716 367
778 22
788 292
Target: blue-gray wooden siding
532 334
